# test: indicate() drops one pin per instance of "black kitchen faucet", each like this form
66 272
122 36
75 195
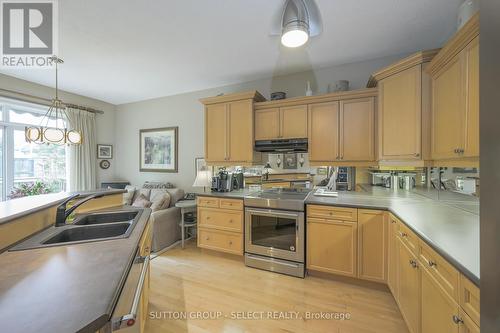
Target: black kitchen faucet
63 213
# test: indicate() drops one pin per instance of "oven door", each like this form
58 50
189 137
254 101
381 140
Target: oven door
275 233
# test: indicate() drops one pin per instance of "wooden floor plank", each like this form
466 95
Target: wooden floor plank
196 282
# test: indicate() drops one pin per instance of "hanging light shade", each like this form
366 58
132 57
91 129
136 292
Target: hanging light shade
295 24
60 134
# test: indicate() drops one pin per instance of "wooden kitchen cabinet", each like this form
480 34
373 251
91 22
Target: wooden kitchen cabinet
372 245
393 257
281 123
439 312
357 130
404 109
331 246
454 73
323 122
467 325
229 129
409 288
342 131
267 124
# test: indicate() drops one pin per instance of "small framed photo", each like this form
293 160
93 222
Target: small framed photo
104 151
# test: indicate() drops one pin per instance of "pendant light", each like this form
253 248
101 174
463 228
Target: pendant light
295 24
60 134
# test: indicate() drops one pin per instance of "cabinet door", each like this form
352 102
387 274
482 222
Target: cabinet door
400 115
215 132
393 257
409 288
437 308
472 115
293 122
467 325
323 132
357 130
448 111
240 131
331 246
372 245
267 124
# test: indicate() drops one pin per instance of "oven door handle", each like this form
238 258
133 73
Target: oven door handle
130 318
270 212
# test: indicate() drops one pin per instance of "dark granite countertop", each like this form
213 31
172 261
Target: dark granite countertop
71 288
16 208
449 225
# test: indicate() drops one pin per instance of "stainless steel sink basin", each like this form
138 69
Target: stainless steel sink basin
86 228
91 232
107 217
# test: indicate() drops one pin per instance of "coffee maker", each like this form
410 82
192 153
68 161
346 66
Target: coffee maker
221 182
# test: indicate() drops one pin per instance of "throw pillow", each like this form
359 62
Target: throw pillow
129 195
142 202
160 201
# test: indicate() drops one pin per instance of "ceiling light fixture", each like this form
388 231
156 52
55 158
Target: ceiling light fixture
59 135
295 24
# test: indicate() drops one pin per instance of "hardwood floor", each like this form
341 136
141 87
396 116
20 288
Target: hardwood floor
195 283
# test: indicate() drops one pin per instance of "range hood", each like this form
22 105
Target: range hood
281 146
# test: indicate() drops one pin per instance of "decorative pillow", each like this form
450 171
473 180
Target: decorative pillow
160 201
142 202
144 191
129 195
158 185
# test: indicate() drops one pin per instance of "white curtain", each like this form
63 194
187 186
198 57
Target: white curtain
82 158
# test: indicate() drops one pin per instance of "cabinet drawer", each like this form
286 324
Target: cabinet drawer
446 275
220 219
231 204
208 202
469 298
220 241
409 238
332 212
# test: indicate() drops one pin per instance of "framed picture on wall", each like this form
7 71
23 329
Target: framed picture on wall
158 149
104 151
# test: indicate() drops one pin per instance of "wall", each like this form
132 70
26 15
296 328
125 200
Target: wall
186 111
105 122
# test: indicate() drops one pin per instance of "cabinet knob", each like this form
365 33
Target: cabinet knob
208 217
457 320
403 234
417 155
413 263
432 263
207 238
338 157
230 242
230 221
393 221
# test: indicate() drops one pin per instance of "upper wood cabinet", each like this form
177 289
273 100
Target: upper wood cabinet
229 128
372 245
342 131
281 123
404 109
454 75
324 119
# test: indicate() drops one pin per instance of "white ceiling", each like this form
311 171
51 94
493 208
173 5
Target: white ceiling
121 51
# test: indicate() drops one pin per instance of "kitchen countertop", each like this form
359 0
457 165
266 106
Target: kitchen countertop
449 226
70 288
16 208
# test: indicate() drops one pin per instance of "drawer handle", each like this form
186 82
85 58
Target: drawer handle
432 263
413 263
403 234
207 238
230 221
230 242
208 217
457 320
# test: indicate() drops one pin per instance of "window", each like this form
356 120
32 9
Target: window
25 164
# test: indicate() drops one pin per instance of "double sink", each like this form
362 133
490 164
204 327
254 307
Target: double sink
85 228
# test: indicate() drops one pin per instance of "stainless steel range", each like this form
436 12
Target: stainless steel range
274 230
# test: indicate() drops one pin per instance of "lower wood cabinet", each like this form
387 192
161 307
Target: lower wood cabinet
409 287
372 245
393 257
220 224
439 312
467 325
331 246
